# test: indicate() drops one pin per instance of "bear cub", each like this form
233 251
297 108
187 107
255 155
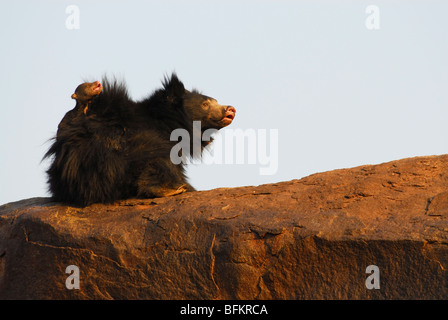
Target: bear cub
110 147
84 95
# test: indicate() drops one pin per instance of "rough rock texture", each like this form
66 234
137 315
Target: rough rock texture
304 239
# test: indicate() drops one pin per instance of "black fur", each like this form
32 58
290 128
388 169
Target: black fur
120 148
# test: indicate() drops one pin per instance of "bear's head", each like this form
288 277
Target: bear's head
199 107
208 110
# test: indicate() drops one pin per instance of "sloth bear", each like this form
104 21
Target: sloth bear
110 147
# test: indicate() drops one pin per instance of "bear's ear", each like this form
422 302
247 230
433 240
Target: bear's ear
174 88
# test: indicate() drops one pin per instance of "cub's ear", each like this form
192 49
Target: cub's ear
174 88
74 96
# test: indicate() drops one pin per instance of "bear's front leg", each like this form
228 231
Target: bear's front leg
161 178
166 192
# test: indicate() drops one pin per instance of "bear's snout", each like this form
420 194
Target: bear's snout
230 113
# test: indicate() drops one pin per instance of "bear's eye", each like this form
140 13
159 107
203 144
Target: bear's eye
206 105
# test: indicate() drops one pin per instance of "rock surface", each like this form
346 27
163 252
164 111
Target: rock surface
311 238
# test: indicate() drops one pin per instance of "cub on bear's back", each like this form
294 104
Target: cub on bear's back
84 95
111 147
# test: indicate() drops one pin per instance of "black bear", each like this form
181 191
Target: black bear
110 147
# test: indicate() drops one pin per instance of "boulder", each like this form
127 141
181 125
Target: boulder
370 232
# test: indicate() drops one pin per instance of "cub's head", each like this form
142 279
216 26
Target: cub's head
86 91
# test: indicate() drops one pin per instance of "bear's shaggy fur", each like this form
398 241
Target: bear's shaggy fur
110 147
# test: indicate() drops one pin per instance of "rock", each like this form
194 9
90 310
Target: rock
311 238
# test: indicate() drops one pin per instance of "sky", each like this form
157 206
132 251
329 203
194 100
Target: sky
317 85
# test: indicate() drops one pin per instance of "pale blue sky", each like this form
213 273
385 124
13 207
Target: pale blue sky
339 95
